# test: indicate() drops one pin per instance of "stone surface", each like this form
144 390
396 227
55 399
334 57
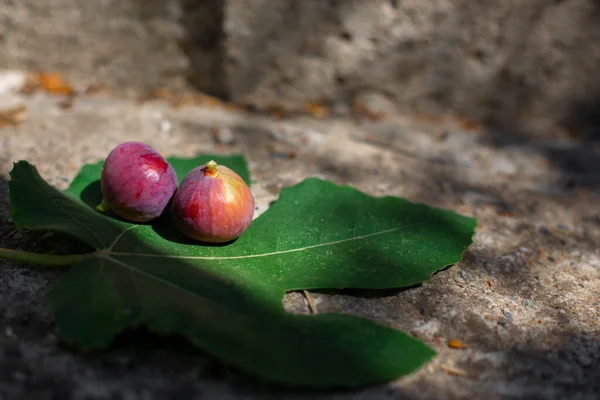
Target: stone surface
523 301
499 61
502 62
130 44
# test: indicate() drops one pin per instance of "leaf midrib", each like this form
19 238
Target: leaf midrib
110 252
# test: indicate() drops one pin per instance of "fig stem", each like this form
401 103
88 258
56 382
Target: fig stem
48 260
103 207
211 169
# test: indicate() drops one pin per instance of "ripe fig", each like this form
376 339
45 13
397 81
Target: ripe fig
213 204
137 182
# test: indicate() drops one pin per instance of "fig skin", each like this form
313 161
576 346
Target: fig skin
137 182
213 204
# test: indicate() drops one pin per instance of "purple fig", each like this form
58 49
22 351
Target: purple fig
137 182
213 204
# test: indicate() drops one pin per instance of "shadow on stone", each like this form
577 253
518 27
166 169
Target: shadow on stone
203 21
577 157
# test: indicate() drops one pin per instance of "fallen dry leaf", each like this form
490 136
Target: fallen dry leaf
275 111
465 123
316 109
54 83
428 119
13 116
179 99
48 81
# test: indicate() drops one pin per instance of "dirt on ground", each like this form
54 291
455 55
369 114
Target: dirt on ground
524 301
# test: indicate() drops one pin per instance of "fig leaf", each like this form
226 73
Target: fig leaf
228 299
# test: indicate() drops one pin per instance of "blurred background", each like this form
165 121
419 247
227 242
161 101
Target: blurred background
499 62
523 69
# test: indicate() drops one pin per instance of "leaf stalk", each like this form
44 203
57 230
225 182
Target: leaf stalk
48 260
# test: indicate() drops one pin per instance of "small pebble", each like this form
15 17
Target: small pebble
165 126
585 360
223 135
10 333
51 339
507 320
504 322
340 109
19 376
443 135
528 303
383 187
373 105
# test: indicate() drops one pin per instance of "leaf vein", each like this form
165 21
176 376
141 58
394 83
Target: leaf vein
114 243
274 253
55 201
173 285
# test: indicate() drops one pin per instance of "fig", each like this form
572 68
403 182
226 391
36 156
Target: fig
137 182
213 204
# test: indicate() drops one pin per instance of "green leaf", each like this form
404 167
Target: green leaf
227 299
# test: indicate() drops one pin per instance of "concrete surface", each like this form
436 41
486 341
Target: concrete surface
497 60
128 45
500 61
524 301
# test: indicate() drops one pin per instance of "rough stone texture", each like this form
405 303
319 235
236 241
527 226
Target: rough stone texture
128 44
524 300
499 61
495 60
